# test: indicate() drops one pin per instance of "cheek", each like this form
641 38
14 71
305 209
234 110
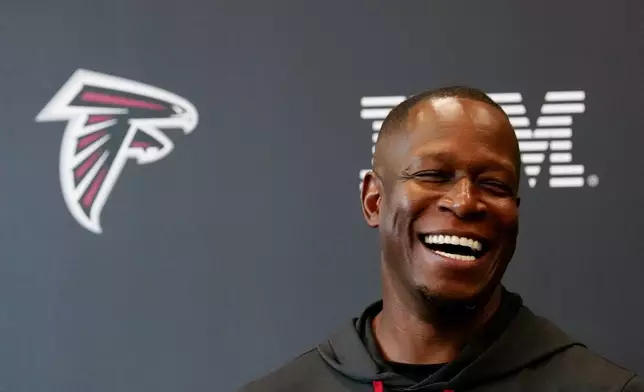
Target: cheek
397 215
416 198
396 207
507 217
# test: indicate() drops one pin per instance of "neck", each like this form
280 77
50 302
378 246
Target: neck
405 334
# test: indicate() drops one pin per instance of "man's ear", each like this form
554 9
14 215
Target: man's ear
370 193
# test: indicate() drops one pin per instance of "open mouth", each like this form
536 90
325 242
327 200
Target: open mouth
454 247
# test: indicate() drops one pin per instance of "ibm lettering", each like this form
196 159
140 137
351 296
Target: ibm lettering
544 143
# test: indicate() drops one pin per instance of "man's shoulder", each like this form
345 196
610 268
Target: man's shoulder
296 375
567 361
581 365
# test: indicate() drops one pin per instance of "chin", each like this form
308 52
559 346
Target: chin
449 309
457 299
451 292
440 280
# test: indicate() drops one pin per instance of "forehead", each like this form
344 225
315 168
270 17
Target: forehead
463 127
435 114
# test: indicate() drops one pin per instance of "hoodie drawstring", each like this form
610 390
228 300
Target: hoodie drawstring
377 387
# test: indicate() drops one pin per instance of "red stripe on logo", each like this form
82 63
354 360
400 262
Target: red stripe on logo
116 100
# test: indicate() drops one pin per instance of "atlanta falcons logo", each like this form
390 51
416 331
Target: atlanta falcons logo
110 120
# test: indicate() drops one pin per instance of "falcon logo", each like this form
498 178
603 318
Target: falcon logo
110 120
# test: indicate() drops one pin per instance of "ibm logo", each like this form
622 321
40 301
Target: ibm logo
550 137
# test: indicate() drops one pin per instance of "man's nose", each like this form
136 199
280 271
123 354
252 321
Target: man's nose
462 200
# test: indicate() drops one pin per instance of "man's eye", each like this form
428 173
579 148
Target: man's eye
497 187
433 175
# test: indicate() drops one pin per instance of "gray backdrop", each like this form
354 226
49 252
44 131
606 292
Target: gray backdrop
246 245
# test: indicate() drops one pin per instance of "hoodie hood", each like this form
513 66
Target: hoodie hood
522 340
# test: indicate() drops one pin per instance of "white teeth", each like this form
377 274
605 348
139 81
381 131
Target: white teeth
456 257
454 240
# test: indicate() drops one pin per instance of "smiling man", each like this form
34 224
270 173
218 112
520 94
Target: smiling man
443 194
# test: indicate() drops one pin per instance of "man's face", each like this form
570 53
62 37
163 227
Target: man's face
447 205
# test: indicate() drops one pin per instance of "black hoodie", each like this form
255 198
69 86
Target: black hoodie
515 351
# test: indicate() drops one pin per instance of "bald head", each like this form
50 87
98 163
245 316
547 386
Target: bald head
449 110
